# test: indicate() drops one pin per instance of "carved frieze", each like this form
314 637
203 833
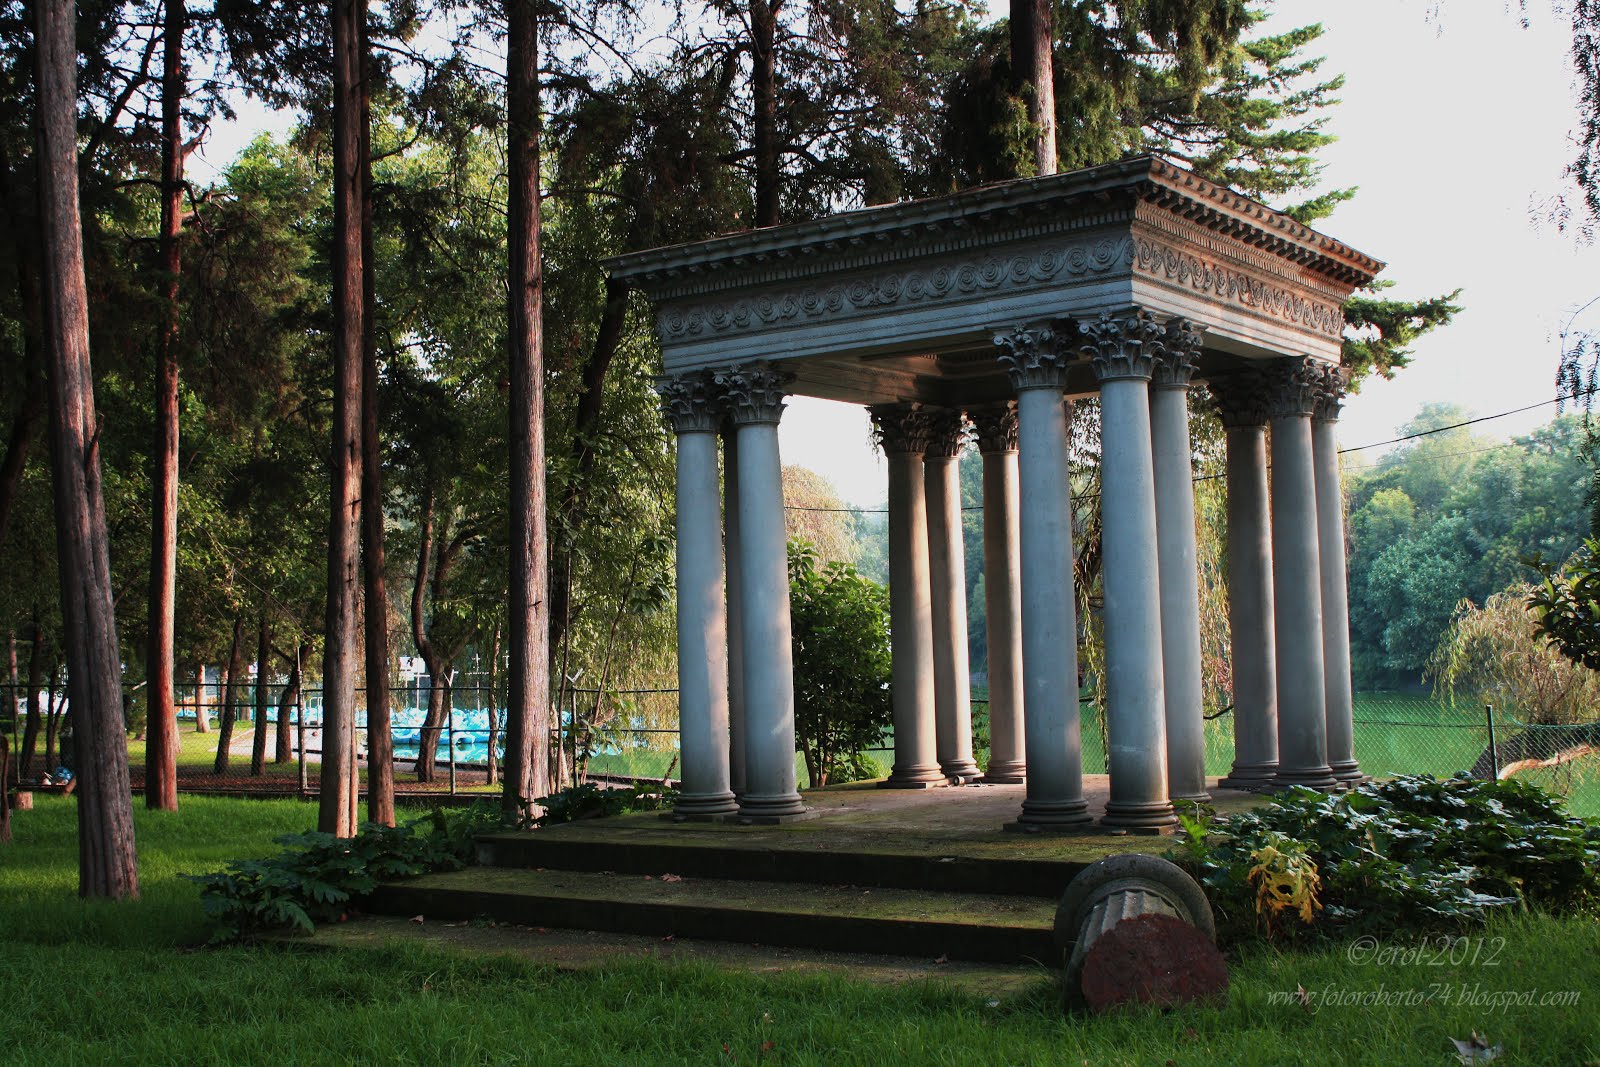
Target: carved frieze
1125 345
947 432
1244 397
1180 349
1035 356
995 426
692 403
754 392
902 428
1224 283
952 278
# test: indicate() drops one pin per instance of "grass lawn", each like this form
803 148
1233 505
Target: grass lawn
92 983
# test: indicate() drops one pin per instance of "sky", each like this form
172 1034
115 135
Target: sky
1456 123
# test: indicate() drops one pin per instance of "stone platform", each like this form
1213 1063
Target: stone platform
918 873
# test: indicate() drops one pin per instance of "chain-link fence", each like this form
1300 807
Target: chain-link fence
624 735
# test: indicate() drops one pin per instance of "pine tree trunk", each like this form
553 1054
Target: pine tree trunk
380 742
1033 70
202 702
230 702
106 863
284 750
30 729
161 747
764 97
52 721
258 717
528 690
491 759
336 775
432 724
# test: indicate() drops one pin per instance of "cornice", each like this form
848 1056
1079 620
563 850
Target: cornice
985 217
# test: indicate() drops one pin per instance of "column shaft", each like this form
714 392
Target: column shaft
1002 586
1180 591
1253 649
952 687
730 519
1049 616
1335 603
702 633
1297 584
911 627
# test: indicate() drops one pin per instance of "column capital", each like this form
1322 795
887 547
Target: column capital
754 392
1295 382
692 403
995 427
1034 355
1174 368
1333 384
947 432
1244 397
1124 345
902 428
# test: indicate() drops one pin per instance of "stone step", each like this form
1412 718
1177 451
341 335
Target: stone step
769 858
1004 928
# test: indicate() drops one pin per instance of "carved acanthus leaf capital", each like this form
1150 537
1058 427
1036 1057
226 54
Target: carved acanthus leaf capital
1034 357
996 427
902 428
755 392
692 403
1244 397
1180 352
947 433
1330 397
1296 382
1126 345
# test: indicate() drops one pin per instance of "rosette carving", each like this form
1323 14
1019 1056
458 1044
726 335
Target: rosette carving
1123 346
996 427
754 392
1180 352
947 432
1244 398
902 428
1033 357
692 403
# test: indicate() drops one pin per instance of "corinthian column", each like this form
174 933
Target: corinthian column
755 400
1175 546
1242 400
1297 580
1335 595
730 547
903 432
1124 349
1038 368
690 404
1002 590
952 674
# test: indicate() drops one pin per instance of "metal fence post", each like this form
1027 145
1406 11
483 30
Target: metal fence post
1494 749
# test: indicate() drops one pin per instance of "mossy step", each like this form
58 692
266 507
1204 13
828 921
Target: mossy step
842 917
939 866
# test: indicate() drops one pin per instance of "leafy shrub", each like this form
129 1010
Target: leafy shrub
318 876
1411 853
589 801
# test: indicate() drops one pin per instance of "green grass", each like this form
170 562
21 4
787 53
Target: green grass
120 983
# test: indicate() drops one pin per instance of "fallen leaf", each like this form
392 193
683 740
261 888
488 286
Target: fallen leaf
540 930
942 959
415 918
1476 1050
669 937
1303 997
672 877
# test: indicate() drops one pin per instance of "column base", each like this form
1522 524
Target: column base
1005 772
1138 815
773 807
1201 797
704 806
1348 773
1051 816
1250 777
960 771
1318 778
922 776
